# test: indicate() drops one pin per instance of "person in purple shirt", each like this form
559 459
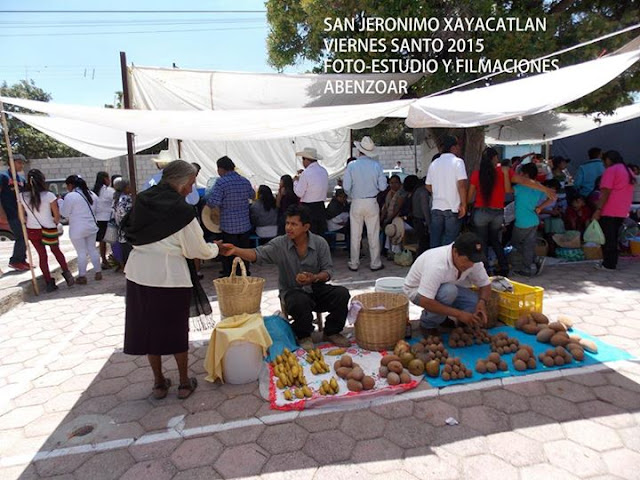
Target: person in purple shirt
231 194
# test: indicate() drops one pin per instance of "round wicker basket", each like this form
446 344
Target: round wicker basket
382 320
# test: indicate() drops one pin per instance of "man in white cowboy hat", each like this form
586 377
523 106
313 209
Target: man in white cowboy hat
311 187
161 160
362 182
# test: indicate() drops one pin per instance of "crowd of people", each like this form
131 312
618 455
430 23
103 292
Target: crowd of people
455 221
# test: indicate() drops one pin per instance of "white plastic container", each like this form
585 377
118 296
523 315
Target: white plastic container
241 363
390 285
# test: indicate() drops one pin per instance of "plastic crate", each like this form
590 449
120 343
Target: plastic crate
523 299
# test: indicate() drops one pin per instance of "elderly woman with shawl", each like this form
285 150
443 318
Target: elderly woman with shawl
162 285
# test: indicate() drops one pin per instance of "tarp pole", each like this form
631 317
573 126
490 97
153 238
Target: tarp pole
21 216
127 106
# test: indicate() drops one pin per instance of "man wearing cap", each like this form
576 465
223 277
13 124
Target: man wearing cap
362 182
439 281
18 260
231 193
311 187
447 182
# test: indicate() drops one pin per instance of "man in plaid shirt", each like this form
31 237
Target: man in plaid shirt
231 194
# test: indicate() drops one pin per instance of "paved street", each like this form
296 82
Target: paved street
73 406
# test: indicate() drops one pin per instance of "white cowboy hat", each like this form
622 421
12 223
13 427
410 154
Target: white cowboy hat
163 157
211 218
366 146
395 231
309 152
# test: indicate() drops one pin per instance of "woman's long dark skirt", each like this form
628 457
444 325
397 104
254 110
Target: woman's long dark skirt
156 320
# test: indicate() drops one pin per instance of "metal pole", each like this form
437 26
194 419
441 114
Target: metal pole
127 105
14 174
415 151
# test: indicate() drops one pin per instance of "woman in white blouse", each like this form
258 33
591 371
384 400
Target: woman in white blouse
161 287
102 188
79 207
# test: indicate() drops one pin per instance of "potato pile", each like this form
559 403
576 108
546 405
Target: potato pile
454 369
558 356
524 359
288 371
392 369
491 364
532 322
467 336
318 365
354 375
429 348
329 387
503 344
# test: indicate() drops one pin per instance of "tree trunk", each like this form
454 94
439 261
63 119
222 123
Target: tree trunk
471 141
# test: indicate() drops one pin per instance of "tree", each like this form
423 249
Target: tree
298 33
25 139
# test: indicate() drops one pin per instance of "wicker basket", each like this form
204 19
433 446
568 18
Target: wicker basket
237 295
542 247
593 252
381 328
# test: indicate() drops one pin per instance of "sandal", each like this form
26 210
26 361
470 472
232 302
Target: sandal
185 391
160 390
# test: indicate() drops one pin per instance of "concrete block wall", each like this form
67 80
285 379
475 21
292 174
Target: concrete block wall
88 167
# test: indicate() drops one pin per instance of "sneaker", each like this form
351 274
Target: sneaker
337 339
22 266
306 343
51 286
98 276
540 261
68 277
81 280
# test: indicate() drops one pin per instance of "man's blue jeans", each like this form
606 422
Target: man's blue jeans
19 247
444 228
451 295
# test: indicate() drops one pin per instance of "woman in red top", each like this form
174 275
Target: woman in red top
491 182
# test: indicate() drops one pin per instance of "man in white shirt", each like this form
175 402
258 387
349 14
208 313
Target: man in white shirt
447 182
362 182
311 187
439 281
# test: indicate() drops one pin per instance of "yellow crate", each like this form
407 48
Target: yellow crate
523 299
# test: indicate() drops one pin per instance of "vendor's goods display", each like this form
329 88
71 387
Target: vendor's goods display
393 368
524 359
558 356
454 369
491 364
467 336
532 322
502 344
316 359
288 370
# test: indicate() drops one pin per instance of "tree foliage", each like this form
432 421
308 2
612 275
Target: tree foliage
25 139
297 34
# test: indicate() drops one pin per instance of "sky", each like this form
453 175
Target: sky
76 56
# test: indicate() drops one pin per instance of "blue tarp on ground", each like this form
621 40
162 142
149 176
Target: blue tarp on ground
470 355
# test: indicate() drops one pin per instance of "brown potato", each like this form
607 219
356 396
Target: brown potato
539 318
557 326
395 367
446 376
523 355
531 363
481 367
548 361
342 372
393 378
559 361
503 366
492 367
347 361
405 377
354 385
559 340
522 321
383 372
368 383
530 328
356 374
388 358
494 357
545 335
519 365
578 354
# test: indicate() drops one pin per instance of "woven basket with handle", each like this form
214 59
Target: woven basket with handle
237 295
382 320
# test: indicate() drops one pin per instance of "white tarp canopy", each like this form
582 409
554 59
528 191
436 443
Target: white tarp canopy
262 159
549 126
518 98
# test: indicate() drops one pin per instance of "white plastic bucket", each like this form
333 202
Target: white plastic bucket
390 285
241 363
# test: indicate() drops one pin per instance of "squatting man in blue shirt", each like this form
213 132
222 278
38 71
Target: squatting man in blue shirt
304 270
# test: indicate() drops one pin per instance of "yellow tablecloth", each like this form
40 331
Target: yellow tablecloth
245 327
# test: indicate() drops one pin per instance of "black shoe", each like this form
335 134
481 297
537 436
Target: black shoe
352 269
51 286
377 268
200 276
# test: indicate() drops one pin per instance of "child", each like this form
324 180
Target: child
528 206
577 215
